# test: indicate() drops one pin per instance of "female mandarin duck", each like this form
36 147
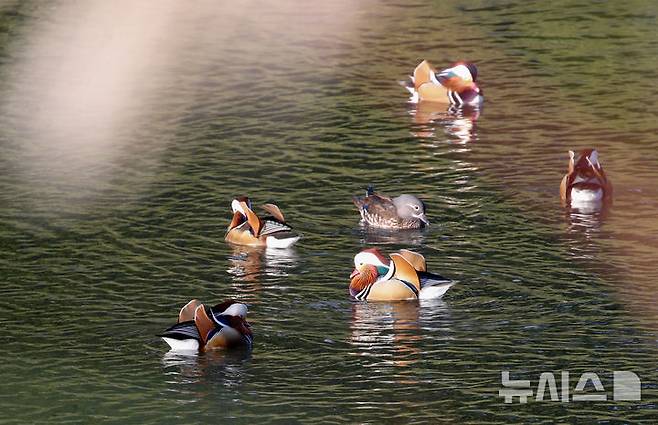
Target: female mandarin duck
585 182
455 86
401 212
208 328
247 228
402 277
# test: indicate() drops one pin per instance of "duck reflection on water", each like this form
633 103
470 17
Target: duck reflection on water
213 367
458 122
389 338
249 264
374 236
391 334
583 230
387 333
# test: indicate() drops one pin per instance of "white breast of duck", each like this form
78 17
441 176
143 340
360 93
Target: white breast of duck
586 195
584 190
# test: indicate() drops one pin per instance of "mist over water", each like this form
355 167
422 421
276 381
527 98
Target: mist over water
126 128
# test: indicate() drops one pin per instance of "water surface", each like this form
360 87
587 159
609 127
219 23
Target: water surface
127 128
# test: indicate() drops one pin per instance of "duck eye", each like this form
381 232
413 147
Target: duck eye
416 207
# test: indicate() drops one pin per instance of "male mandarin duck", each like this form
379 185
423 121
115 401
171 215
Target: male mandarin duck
247 228
585 182
403 276
455 86
402 212
208 328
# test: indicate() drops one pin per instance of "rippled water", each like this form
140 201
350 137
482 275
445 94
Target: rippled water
127 127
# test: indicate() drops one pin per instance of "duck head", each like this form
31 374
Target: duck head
242 212
231 308
464 71
237 315
369 266
409 208
240 205
460 80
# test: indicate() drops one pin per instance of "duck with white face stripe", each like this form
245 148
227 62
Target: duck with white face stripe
453 86
403 276
200 328
585 182
246 228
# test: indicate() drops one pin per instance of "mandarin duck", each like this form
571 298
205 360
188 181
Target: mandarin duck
203 328
585 181
403 276
455 86
402 212
246 228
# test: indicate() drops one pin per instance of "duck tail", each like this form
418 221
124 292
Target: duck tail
182 336
282 241
433 286
409 85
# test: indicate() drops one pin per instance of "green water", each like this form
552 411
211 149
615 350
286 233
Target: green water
126 128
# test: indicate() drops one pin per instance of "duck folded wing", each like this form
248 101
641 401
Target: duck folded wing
203 322
271 226
275 212
252 219
422 73
416 259
433 286
187 312
405 271
182 330
378 205
431 279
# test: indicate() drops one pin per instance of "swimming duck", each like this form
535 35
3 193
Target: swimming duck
455 85
402 212
403 276
203 328
585 182
247 228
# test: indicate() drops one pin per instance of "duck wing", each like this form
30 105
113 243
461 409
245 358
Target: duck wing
433 285
203 322
405 271
187 312
423 74
416 259
377 205
182 330
432 279
271 225
275 212
253 220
